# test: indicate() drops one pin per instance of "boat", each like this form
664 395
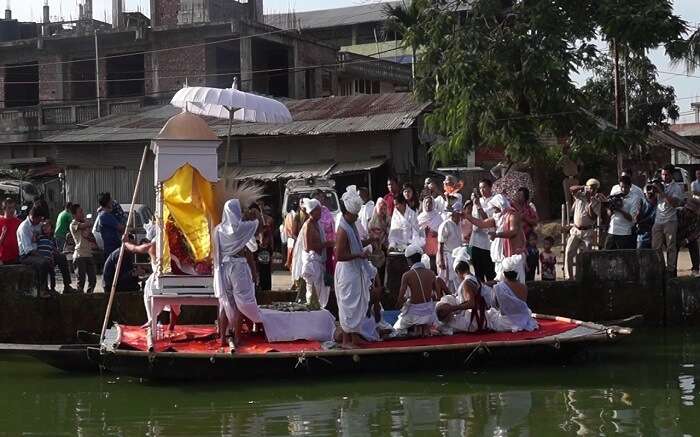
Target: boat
194 353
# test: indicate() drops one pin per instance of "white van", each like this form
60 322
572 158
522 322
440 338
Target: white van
297 189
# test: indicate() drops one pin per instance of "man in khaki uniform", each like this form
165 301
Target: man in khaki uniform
586 207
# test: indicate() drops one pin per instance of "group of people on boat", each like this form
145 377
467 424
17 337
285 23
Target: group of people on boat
428 305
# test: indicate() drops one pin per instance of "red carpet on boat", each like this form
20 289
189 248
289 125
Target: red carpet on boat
202 339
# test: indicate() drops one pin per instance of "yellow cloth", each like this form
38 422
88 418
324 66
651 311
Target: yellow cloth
189 199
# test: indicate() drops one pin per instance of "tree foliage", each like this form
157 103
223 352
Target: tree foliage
499 74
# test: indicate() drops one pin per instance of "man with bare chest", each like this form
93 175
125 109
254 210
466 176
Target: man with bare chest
418 295
508 240
313 256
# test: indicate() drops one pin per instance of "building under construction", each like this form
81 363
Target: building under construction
55 74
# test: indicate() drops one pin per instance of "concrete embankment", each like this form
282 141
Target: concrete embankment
610 285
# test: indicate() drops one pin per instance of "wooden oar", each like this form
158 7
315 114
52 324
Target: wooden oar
121 249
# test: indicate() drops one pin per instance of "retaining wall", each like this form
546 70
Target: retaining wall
610 285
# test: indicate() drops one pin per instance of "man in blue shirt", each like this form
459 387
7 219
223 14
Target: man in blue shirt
646 218
109 227
128 279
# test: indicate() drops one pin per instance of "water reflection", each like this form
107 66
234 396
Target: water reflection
646 389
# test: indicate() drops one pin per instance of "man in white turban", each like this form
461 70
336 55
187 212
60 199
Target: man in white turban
449 239
233 285
311 248
510 312
233 278
417 296
355 276
508 240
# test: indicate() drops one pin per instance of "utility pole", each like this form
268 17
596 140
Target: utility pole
618 102
97 76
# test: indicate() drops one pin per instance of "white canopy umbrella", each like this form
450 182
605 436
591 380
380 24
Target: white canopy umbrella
231 104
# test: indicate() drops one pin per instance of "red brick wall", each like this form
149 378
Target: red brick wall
51 77
175 66
165 12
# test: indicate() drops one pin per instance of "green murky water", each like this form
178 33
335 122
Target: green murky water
646 386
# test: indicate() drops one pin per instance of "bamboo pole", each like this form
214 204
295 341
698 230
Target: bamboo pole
228 141
121 249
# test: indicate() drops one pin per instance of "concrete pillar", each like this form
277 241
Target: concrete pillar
117 9
246 48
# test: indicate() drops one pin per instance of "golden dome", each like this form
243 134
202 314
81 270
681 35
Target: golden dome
187 126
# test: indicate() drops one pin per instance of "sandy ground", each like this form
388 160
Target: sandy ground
281 279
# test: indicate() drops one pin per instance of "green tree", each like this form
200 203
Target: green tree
402 21
500 74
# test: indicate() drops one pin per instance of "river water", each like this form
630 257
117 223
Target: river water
644 386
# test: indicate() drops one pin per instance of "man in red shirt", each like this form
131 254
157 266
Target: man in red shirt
9 249
393 185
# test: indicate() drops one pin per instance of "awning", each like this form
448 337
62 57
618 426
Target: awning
281 171
301 171
357 166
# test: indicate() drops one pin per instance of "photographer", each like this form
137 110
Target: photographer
587 203
646 217
623 209
479 242
663 233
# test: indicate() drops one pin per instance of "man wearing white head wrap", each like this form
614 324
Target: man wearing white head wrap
508 240
417 295
510 312
233 278
355 276
365 215
233 285
311 250
449 239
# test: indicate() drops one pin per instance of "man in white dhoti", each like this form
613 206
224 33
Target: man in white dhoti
152 281
465 310
404 225
449 239
508 240
233 280
417 296
233 285
510 312
313 256
355 276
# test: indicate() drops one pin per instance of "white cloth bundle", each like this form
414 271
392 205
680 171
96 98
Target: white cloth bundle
352 200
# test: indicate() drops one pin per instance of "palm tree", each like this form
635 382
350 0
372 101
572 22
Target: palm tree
687 52
402 19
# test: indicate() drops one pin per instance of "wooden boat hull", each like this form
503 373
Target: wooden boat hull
430 357
69 357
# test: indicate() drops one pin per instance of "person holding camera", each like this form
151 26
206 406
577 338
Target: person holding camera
646 217
663 233
587 202
479 242
623 209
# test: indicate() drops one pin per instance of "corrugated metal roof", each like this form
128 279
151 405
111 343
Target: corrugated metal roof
357 166
369 13
672 139
282 171
687 129
330 115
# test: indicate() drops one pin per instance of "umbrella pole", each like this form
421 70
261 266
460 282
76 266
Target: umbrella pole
228 141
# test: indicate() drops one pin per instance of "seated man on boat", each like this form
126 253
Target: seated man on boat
417 296
509 312
355 276
311 247
464 311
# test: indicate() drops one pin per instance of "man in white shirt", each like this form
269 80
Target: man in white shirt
365 214
623 214
635 192
695 185
484 267
27 235
663 233
404 225
449 239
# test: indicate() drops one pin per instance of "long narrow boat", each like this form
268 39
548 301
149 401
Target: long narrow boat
193 352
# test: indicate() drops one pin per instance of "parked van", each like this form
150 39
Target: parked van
297 189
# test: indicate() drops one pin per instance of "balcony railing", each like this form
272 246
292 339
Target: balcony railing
36 117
